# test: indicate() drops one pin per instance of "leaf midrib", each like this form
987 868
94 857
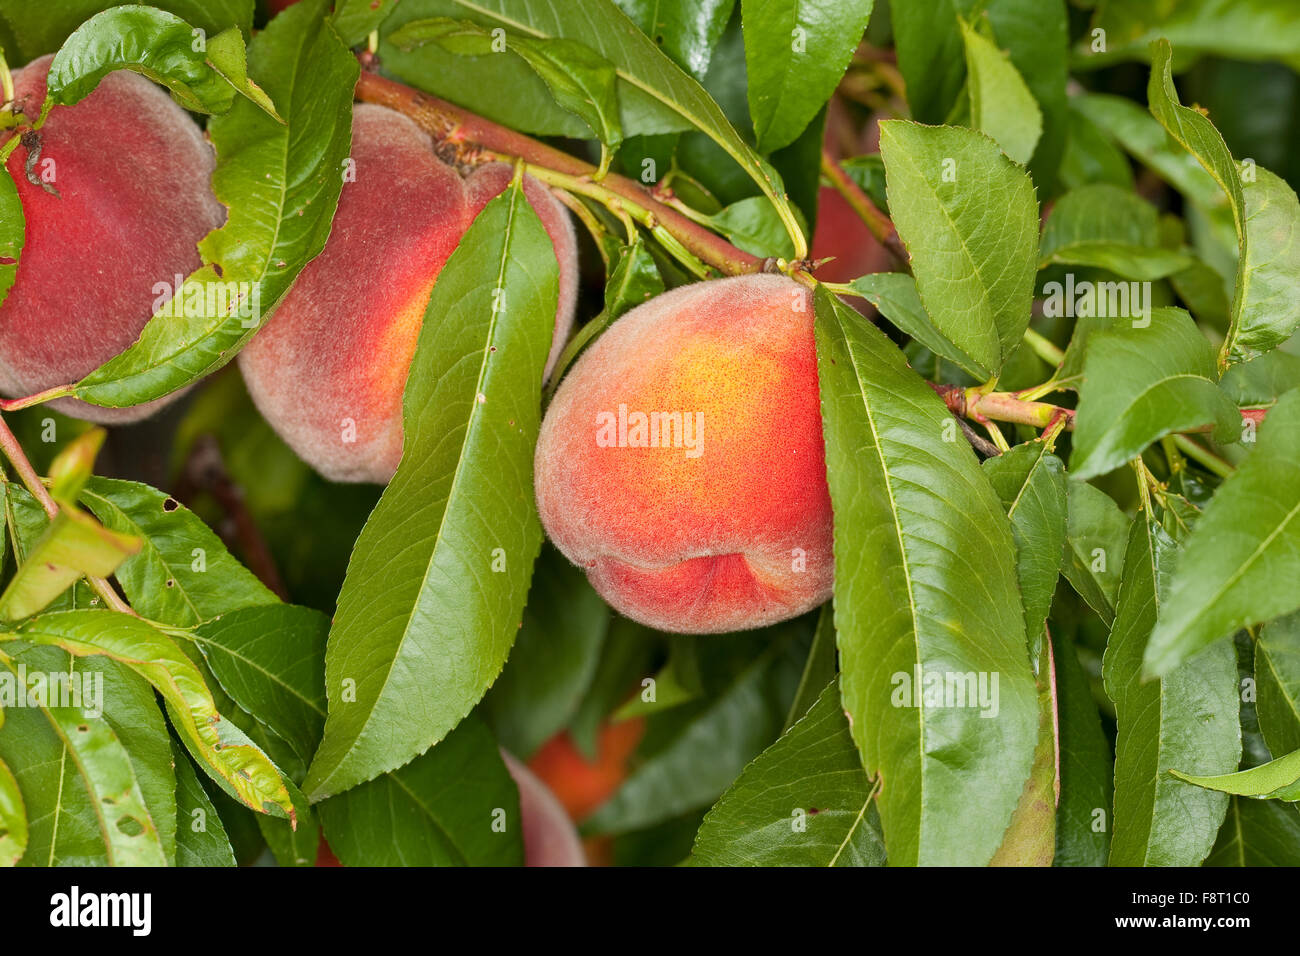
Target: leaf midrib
457 474
907 570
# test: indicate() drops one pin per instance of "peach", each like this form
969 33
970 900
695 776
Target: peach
550 838
328 369
133 199
582 785
681 461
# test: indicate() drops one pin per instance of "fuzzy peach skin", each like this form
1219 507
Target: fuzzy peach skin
133 175
734 533
550 838
328 369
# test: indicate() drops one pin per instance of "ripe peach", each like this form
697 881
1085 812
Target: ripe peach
582 785
132 173
681 462
327 370
550 838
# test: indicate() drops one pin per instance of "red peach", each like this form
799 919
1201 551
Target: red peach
328 369
681 462
132 173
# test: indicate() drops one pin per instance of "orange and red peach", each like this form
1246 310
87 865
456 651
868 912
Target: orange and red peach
328 369
129 199
682 465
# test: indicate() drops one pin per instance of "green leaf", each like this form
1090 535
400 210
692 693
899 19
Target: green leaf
228 58
693 752
581 80
1258 833
1270 273
795 53
27 524
1096 536
676 682
156 658
929 49
1106 227
754 225
281 182
1087 767
1277 673
968 217
439 576
157 45
1187 719
1000 102
438 810
1091 157
200 836
72 546
1036 35
1030 482
895 295
122 818
1142 382
633 279
354 20
13 229
804 801
74 464
1030 837
1034 32
686 30
271 661
1242 561
1236 29
553 660
1265 310
1276 780
182 574
1260 382
655 95
630 652
821 667
919 531
39 28
13 819
1140 135
63 825
294 842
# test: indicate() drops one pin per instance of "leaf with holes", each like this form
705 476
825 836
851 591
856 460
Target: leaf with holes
239 765
182 575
